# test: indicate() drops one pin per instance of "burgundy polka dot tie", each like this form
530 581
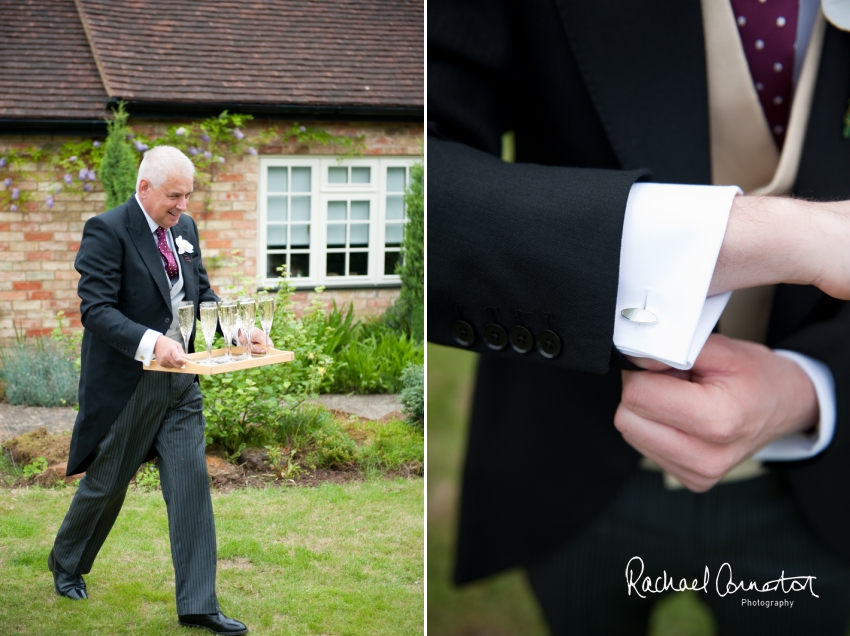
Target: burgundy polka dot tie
166 253
768 30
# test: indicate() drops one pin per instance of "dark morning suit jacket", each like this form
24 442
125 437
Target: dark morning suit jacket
600 94
124 291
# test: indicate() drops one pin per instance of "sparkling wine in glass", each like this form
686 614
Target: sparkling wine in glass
186 316
265 307
209 320
227 318
247 312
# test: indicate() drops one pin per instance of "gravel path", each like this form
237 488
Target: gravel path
16 420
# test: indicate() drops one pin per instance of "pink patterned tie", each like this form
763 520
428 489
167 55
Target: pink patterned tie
166 253
768 30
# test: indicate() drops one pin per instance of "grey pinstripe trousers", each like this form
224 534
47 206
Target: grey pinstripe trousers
165 411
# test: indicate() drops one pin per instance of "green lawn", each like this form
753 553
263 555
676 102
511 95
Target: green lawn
502 605
332 560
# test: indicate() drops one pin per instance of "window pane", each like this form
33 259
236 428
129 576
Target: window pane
300 265
273 261
299 235
395 207
336 210
359 235
301 179
361 175
360 210
336 235
300 208
358 264
337 175
395 180
336 264
390 259
277 179
395 232
276 237
277 209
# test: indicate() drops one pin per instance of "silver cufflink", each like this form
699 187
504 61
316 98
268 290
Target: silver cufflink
640 316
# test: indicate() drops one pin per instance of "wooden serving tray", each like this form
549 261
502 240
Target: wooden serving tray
275 356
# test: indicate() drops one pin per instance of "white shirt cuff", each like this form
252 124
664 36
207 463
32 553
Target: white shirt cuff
671 238
799 445
144 353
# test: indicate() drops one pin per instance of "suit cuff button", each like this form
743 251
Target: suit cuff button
548 344
463 333
521 339
496 337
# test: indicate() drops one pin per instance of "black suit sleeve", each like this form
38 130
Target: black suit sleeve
102 288
515 245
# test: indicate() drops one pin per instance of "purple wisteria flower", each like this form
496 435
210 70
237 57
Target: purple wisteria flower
7 181
238 134
49 201
84 173
13 208
193 151
302 129
58 190
207 154
180 131
140 146
205 137
68 179
252 151
2 162
221 160
87 187
72 158
91 176
15 194
96 144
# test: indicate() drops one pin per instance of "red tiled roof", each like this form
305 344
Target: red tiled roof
46 67
295 52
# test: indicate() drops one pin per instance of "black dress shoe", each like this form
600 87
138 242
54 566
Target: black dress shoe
67 585
216 623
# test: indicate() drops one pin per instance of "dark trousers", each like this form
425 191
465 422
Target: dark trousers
751 525
166 411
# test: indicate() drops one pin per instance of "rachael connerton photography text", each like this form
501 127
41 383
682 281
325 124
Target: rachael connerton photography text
724 582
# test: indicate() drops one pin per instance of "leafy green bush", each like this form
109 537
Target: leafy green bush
410 306
120 165
38 372
412 395
392 445
374 360
239 405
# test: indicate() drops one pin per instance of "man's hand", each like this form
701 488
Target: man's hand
169 354
699 424
258 341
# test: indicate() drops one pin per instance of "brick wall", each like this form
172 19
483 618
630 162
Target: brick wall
38 245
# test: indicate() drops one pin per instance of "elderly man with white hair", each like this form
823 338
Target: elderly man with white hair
136 263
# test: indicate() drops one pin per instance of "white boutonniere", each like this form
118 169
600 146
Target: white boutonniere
183 246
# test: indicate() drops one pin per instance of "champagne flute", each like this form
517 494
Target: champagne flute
227 318
186 316
209 319
247 312
265 305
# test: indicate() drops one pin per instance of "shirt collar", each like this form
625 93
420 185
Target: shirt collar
151 223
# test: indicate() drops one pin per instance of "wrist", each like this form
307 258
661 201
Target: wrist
771 240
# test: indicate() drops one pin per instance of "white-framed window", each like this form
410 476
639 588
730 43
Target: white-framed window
334 222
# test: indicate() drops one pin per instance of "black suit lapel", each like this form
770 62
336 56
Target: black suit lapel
141 234
190 285
644 66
